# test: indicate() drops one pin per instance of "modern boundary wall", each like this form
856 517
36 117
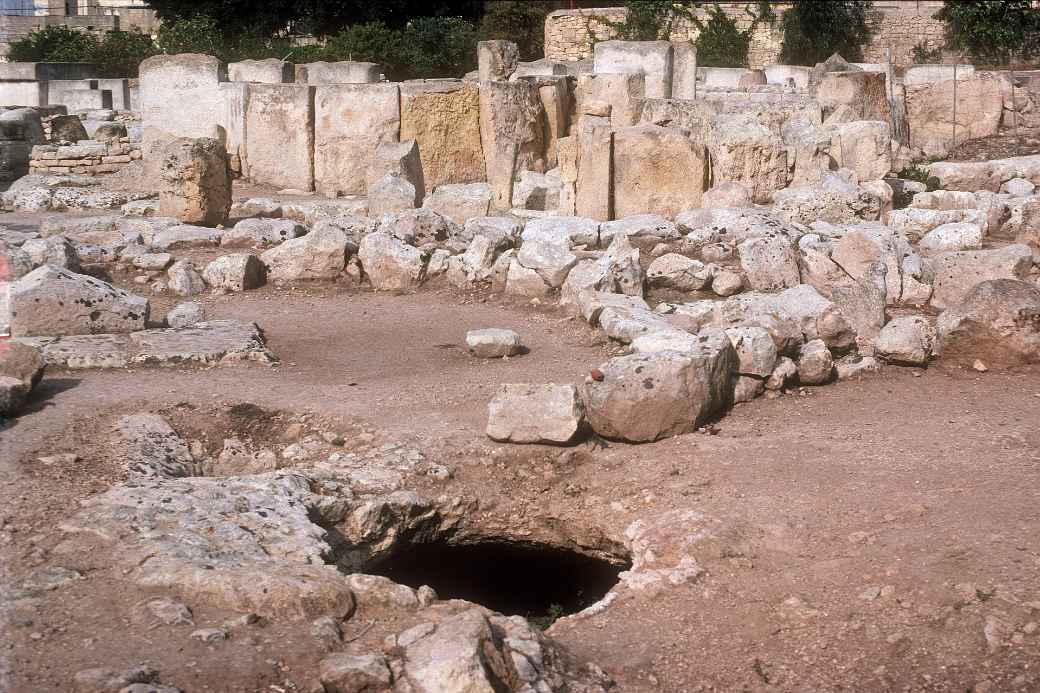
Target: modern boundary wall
73 85
896 26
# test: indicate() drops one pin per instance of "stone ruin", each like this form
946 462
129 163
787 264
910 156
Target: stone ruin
736 233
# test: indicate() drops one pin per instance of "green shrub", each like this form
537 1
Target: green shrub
918 173
814 31
720 43
57 44
437 47
371 42
923 55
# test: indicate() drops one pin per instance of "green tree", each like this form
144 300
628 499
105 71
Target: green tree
437 47
517 20
993 31
57 44
813 31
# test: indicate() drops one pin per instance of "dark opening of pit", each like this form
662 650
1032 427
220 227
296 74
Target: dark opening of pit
538 582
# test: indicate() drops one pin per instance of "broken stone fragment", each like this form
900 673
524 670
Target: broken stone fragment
523 413
492 343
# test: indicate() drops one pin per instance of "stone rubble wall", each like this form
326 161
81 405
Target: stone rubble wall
85 157
570 34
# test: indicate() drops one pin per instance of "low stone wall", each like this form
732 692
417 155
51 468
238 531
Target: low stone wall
85 157
898 27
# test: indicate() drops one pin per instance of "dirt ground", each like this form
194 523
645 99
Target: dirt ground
877 534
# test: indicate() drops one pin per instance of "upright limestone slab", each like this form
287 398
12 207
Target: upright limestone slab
593 180
180 97
194 183
657 170
443 117
512 131
343 72
350 121
279 139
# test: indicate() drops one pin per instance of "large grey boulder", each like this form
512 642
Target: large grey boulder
997 321
648 396
391 264
460 202
815 363
678 272
398 160
50 301
321 254
194 182
546 413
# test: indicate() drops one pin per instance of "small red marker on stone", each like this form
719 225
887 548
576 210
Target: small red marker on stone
597 375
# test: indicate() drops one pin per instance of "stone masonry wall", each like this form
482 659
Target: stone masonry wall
570 34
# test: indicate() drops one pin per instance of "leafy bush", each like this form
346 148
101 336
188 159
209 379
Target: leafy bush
197 34
519 21
813 31
120 53
993 31
425 47
720 43
57 44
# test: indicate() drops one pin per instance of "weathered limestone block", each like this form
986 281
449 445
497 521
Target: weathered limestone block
644 397
656 170
956 236
321 254
180 97
399 159
522 281
957 273
195 186
677 272
184 278
342 72
443 117
906 341
460 202
279 144
652 59
728 195
858 249
693 116
998 321
865 94
538 191
237 272
493 343
512 128
496 60
390 264
684 70
594 193
267 71
21 368
863 146
522 413
29 119
769 262
623 93
931 116
260 233
746 151
350 122
815 363
389 195
50 301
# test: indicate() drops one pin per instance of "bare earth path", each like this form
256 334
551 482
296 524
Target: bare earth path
879 534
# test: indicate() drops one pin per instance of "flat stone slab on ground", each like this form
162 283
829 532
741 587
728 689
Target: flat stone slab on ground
213 342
